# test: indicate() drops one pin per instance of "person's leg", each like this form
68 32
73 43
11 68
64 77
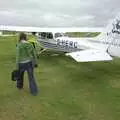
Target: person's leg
32 83
20 80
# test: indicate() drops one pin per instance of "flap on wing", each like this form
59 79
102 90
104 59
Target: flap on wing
90 55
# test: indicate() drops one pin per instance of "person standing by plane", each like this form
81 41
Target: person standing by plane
25 55
33 41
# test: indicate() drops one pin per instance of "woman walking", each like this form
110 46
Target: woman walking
26 60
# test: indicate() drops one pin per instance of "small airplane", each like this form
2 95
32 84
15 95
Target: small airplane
100 48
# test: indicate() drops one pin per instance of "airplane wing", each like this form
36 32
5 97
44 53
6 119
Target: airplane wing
90 55
45 29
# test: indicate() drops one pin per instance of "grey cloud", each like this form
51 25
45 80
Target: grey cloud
58 13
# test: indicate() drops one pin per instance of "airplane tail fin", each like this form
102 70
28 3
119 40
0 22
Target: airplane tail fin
112 32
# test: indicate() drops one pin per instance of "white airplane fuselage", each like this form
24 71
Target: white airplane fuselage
102 47
68 44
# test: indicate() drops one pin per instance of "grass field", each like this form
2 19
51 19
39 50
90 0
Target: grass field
68 90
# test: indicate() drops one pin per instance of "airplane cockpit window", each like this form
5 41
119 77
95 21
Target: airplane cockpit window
44 35
49 35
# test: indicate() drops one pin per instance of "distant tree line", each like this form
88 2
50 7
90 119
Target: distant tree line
83 34
8 32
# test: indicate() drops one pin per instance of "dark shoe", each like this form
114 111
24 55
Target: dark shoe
34 94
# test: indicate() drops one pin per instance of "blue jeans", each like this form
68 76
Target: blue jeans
30 71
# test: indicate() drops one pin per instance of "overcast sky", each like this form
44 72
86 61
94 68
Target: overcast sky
58 13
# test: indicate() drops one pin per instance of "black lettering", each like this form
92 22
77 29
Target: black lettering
63 42
58 41
71 44
116 31
66 43
75 44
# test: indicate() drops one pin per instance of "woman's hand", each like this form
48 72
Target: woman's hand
36 65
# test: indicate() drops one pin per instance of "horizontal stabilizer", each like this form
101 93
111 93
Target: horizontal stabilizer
90 55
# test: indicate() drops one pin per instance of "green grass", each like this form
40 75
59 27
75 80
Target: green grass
68 90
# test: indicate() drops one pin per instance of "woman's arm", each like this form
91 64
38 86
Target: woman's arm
34 56
17 56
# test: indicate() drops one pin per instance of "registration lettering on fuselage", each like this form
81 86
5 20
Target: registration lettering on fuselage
67 43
